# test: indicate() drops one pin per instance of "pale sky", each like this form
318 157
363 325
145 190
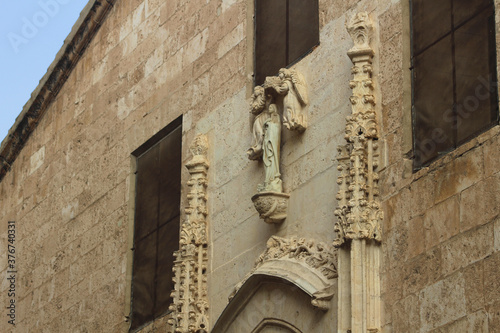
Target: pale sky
31 34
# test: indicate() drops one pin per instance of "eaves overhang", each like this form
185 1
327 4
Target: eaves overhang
82 33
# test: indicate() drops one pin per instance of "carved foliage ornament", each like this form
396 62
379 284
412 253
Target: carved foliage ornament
359 213
319 257
279 101
190 300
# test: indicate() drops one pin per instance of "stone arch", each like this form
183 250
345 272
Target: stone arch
276 298
269 325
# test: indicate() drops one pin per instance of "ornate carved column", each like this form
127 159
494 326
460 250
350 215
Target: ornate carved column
190 299
280 97
359 213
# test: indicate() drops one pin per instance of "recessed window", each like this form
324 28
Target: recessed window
156 227
454 74
285 31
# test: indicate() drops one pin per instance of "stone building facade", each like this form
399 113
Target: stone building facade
356 240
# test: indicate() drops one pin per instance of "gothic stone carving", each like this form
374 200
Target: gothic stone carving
280 97
190 300
359 213
319 257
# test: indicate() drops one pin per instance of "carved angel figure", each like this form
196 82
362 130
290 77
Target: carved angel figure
295 99
284 93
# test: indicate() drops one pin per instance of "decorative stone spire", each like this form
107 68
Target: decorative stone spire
359 212
190 299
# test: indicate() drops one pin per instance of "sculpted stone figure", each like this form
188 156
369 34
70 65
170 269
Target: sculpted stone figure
284 96
267 139
295 99
257 109
271 152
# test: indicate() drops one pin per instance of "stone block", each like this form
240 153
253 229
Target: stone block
422 271
475 322
391 21
231 245
406 315
441 222
392 88
497 235
421 194
480 203
396 242
442 303
491 151
392 115
459 174
494 317
474 286
416 236
231 40
391 288
394 148
226 22
196 47
37 159
396 209
491 280
391 57
467 248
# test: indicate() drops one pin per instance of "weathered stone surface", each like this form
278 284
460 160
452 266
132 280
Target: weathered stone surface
476 322
416 236
441 222
406 314
71 193
459 174
479 203
442 302
467 248
422 271
491 284
474 286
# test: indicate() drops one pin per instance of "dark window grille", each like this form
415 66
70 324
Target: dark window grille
156 228
454 88
285 31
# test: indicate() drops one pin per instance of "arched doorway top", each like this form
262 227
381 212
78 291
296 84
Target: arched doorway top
271 323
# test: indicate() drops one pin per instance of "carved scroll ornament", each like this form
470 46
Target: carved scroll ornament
281 97
359 213
190 300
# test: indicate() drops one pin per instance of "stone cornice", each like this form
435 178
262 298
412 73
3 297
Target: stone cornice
73 48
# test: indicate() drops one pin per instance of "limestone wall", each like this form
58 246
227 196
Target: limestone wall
441 242
70 190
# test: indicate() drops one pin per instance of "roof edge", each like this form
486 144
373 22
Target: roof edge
82 33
